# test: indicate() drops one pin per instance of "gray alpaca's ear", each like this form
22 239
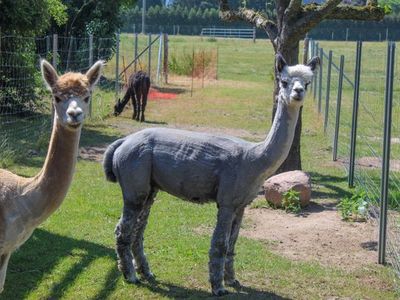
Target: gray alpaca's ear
280 62
314 63
49 74
94 73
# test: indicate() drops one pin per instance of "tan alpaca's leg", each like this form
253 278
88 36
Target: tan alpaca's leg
229 276
3 269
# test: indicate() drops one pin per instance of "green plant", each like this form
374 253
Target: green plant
354 208
291 201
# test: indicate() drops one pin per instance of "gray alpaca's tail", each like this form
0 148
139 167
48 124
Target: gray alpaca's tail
108 160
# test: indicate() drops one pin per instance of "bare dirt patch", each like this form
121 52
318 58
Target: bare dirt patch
92 153
372 162
317 235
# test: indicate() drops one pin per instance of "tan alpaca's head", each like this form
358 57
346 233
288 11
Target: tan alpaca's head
294 80
71 93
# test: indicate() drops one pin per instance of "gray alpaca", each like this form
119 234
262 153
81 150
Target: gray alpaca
200 167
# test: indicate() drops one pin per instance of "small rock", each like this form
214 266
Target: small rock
276 186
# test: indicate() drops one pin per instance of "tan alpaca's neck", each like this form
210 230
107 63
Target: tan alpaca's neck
50 185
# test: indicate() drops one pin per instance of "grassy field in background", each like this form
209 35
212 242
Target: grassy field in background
71 255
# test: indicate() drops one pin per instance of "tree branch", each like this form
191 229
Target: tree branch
360 13
313 14
293 9
249 16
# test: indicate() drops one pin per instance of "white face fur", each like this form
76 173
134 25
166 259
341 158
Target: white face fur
71 93
294 80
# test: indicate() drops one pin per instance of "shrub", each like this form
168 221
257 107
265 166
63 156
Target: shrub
354 208
291 201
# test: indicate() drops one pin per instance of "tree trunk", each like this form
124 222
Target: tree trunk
290 51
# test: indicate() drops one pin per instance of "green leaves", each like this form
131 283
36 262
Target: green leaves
354 208
291 201
58 11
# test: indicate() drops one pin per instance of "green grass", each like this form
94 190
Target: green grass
71 255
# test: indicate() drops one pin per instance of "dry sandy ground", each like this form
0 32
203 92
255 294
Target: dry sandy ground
318 235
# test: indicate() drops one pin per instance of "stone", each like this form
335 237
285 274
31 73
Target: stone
276 186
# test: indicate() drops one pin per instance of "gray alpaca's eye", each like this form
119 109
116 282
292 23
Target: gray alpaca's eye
57 99
284 83
307 84
87 99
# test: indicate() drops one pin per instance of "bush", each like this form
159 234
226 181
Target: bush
291 201
354 208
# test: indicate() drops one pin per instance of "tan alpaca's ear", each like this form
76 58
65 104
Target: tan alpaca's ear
94 73
49 74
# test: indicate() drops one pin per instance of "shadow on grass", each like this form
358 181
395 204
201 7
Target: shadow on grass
331 186
44 251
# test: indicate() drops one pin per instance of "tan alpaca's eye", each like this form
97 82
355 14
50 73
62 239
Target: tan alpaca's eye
87 99
57 99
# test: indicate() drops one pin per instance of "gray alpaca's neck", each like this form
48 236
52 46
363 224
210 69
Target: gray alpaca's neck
271 153
51 184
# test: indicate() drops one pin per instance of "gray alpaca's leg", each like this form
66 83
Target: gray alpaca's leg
124 238
229 276
3 269
142 266
218 250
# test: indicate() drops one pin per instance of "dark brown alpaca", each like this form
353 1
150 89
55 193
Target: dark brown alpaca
138 89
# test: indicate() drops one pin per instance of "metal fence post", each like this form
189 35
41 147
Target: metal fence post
149 65
321 56
159 58
90 64
316 52
48 47
136 51
328 90
254 34
165 67
55 50
117 66
355 115
338 108
386 151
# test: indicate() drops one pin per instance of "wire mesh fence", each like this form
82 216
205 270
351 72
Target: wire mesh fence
25 105
363 117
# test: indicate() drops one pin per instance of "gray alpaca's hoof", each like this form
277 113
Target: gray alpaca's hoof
220 292
234 284
129 276
148 276
132 279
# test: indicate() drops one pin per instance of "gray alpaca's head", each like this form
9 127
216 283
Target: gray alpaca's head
294 80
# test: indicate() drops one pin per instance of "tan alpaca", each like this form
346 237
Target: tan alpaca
27 202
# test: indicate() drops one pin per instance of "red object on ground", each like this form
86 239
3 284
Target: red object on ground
157 95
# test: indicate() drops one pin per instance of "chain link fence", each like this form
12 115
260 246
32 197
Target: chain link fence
355 109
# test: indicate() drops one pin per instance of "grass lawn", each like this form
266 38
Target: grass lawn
71 255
